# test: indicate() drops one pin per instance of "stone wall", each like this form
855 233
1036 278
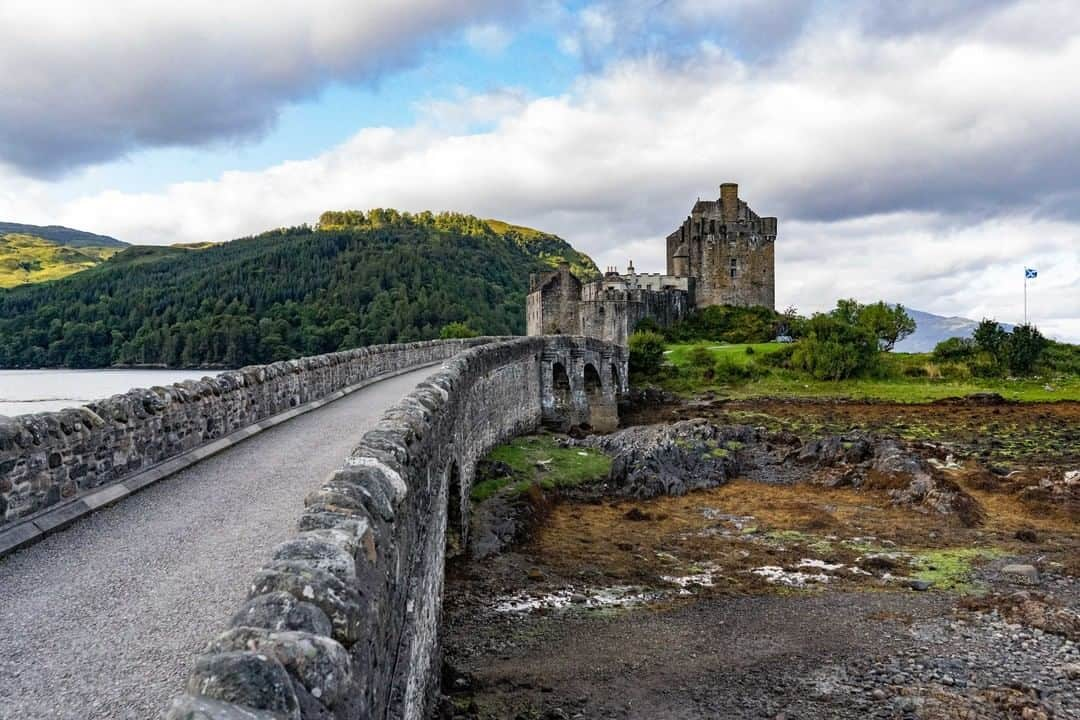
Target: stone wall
48 458
720 236
343 621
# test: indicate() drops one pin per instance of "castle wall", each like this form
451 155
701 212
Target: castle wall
612 314
718 232
551 307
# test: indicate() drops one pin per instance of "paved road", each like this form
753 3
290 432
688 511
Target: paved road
103 620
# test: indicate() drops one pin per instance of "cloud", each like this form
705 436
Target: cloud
85 82
491 39
922 169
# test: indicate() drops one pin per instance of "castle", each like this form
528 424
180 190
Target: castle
721 254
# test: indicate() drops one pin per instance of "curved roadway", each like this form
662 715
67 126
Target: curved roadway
103 619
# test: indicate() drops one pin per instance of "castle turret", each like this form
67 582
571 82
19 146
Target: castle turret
680 261
729 202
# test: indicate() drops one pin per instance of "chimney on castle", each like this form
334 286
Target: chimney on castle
729 202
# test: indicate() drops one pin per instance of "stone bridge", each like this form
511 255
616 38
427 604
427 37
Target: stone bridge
338 619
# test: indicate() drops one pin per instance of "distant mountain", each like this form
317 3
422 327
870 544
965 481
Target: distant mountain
355 279
931 329
61 235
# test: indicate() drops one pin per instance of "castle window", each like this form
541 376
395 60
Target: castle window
734 268
712 226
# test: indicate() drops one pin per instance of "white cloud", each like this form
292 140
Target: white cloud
921 169
489 38
82 81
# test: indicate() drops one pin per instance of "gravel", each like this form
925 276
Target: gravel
104 619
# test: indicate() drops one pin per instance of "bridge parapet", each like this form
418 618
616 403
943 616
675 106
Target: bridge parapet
56 466
343 622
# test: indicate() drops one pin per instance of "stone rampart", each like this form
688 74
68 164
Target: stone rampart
47 459
342 622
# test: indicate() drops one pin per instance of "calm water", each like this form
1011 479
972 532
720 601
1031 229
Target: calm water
31 391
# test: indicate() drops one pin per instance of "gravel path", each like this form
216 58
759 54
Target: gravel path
102 620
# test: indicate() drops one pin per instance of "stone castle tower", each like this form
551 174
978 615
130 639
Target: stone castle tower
729 251
722 254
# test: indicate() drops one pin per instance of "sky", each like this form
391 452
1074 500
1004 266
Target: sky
917 151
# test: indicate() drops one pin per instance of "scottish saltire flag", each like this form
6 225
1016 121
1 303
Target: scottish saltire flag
1030 273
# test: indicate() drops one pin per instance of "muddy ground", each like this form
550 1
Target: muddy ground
789 599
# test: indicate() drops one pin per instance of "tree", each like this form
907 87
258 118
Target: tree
1023 349
456 330
890 324
990 337
646 352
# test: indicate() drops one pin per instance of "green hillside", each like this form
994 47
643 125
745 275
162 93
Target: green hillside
377 277
61 235
30 259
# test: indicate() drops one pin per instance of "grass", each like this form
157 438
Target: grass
898 382
539 459
30 259
950 569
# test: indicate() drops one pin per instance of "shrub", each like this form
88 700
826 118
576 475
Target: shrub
915 371
649 324
646 352
726 323
955 371
1062 358
699 357
955 348
780 358
835 349
726 370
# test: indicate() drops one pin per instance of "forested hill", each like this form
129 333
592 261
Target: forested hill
376 278
61 235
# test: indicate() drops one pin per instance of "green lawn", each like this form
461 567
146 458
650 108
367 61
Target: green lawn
896 386
539 459
678 353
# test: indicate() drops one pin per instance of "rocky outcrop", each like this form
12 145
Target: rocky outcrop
887 464
673 459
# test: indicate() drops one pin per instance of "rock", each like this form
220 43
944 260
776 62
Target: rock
1027 535
245 678
672 459
1071 670
194 707
282 611
320 663
343 605
835 450
920 585
535 574
1020 574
